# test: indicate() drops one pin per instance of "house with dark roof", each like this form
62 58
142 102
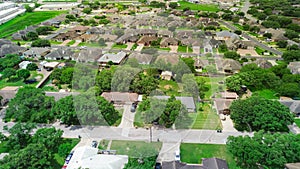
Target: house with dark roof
187 101
200 64
59 95
165 33
143 59
228 66
166 42
11 49
87 55
36 52
146 40
207 163
120 98
214 163
222 105
225 35
168 58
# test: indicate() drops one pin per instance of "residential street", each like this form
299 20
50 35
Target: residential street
244 35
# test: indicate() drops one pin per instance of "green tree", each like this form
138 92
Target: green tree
238 32
190 86
282 44
19 136
33 156
232 55
23 73
49 137
261 150
31 105
104 21
190 63
41 43
103 80
291 34
144 84
273 115
65 111
293 55
31 36
289 89
31 67
44 30
8 73
268 35
173 5
87 10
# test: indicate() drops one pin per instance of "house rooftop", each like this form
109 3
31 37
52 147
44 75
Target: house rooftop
214 163
120 96
187 101
115 58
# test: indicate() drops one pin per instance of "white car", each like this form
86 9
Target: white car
177 155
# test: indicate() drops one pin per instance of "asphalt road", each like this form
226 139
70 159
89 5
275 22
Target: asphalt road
246 36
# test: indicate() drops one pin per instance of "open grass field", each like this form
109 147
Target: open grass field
136 148
268 94
206 119
297 121
198 7
193 153
27 19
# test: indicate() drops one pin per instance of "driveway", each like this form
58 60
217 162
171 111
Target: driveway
129 45
76 43
108 45
65 43
196 49
228 124
173 49
127 117
167 152
139 48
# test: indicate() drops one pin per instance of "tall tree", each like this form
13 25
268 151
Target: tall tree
273 116
49 137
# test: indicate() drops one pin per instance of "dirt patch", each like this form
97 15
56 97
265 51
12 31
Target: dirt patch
168 87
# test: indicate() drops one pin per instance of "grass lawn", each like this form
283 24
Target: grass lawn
169 87
3 147
89 44
184 49
117 46
138 119
297 121
20 82
71 42
166 49
240 27
259 50
54 42
193 153
198 7
268 94
27 19
253 34
206 119
212 83
136 148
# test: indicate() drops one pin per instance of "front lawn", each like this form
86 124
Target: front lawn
198 7
268 94
193 153
71 42
136 148
259 50
297 121
117 46
184 49
206 119
27 19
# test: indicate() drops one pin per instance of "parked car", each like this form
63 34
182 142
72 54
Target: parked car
133 107
158 166
94 144
177 155
219 131
69 157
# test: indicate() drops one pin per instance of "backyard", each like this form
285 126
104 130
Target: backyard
20 82
193 153
297 121
268 94
27 19
198 7
169 87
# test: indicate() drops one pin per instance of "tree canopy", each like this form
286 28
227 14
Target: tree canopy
265 150
255 113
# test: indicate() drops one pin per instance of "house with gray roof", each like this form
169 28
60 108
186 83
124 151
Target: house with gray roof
293 105
214 163
87 55
225 35
294 67
115 58
143 59
228 66
61 53
11 49
207 163
36 52
187 101
59 95
165 33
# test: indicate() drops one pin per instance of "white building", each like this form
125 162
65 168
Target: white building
9 10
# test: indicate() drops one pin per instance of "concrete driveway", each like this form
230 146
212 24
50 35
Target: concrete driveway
173 49
167 152
196 49
139 48
228 124
129 45
108 45
127 117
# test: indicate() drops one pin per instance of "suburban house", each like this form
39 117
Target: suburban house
8 93
79 29
88 157
225 35
60 54
95 30
165 33
11 49
222 105
50 65
61 94
187 101
166 42
277 34
168 58
36 52
215 43
294 67
228 66
144 59
146 40
293 105
87 55
120 98
292 166
207 163
115 58
200 64
24 64
166 75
